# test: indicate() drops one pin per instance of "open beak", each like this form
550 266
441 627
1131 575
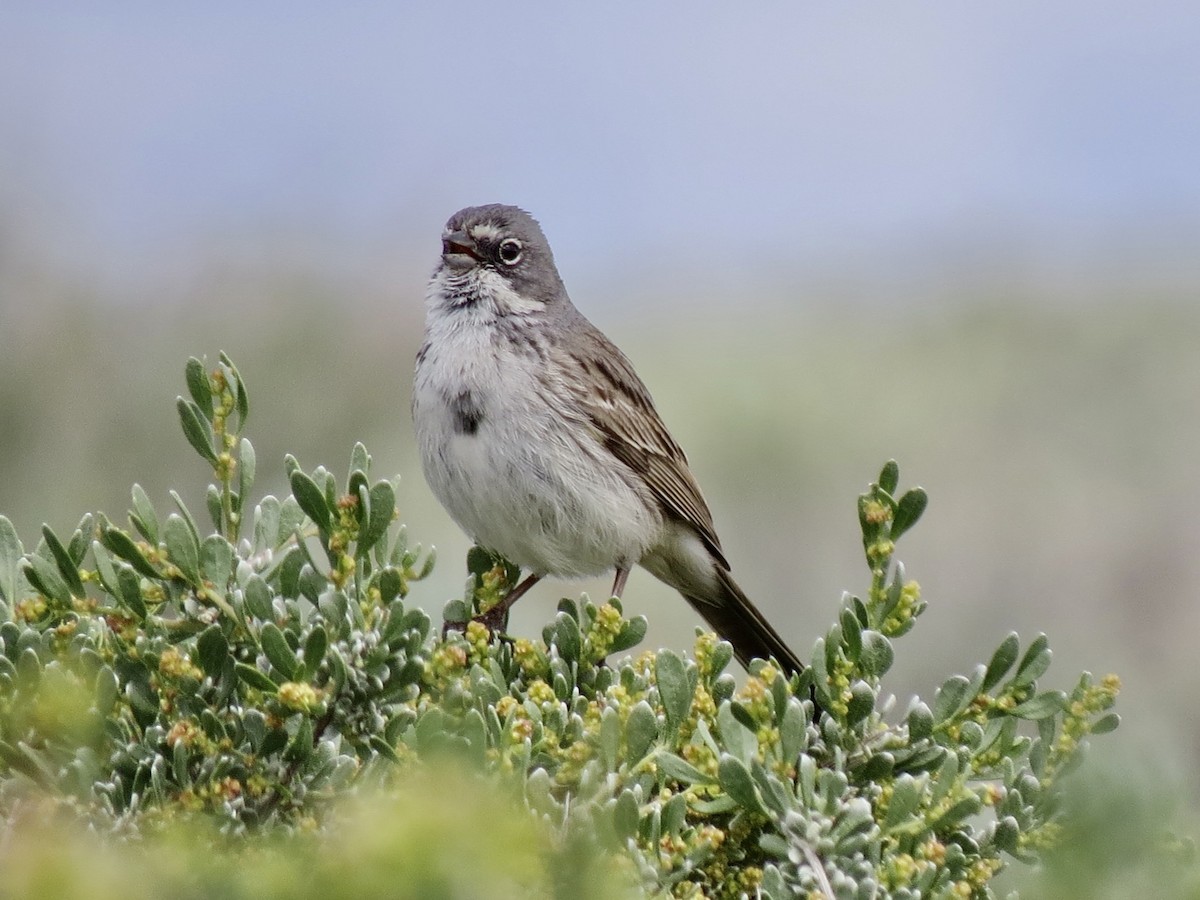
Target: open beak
458 244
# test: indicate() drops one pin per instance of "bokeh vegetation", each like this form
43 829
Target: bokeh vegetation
245 678
1055 429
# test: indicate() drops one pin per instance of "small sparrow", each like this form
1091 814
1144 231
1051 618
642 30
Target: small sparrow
543 444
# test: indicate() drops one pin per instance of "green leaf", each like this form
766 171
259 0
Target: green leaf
951 698
1034 663
216 560
81 537
359 488
852 634
678 769
276 648
187 516
736 735
889 477
315 647
792 730
256 679
182 547
743 715
1105 724
196 429
1007 836
290 568
312 500
820 672
1002 661
877 654
947 777
722 653
862 702
1043 706
920 723
212 501
625 817
674 688
247 464
391 584
44 576
382 507
610 739
29 670
291 517
878 767
641 730
130 588
908 511
106 690
66 565
906 797
736 781
479 561
266 523
122 545
960 811
11 552
567 638
143 516
717 806
338 668
258 598
360 460
234 377
198 386
212 649
631 634
302 745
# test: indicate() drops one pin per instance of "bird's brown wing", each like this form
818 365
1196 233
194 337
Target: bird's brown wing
618 406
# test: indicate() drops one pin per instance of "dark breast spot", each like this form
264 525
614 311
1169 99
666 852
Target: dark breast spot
466 412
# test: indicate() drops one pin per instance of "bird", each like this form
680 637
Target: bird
543 444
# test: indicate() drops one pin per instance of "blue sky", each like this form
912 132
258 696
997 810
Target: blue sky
760 136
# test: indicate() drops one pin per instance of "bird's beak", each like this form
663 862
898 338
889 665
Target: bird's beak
459 244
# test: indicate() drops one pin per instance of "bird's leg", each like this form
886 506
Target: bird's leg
619 582
496 618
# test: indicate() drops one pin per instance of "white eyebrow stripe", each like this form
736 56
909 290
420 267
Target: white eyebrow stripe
485 232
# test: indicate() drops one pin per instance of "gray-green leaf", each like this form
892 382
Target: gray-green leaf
641 730
212 649
908 510
311 499
276 648
198 386
196 429
1002 661
736 781
182 547
11 552
674 688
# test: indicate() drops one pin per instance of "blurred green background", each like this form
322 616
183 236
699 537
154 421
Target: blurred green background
825 237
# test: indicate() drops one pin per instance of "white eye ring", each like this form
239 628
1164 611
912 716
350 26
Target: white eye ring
510 251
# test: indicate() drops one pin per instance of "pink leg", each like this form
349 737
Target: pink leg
619 582
516 593
496 618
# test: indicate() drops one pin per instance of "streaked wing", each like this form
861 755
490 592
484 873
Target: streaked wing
620 408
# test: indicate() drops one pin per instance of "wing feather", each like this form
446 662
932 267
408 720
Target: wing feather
618 405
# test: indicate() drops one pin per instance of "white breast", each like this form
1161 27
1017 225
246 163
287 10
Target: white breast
530 481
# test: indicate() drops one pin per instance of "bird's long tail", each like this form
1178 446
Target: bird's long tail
733 617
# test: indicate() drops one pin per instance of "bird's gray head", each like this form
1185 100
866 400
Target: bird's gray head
497 256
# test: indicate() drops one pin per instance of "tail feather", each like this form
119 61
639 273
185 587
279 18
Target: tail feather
738 621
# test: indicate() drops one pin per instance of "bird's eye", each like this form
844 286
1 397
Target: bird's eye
510 251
